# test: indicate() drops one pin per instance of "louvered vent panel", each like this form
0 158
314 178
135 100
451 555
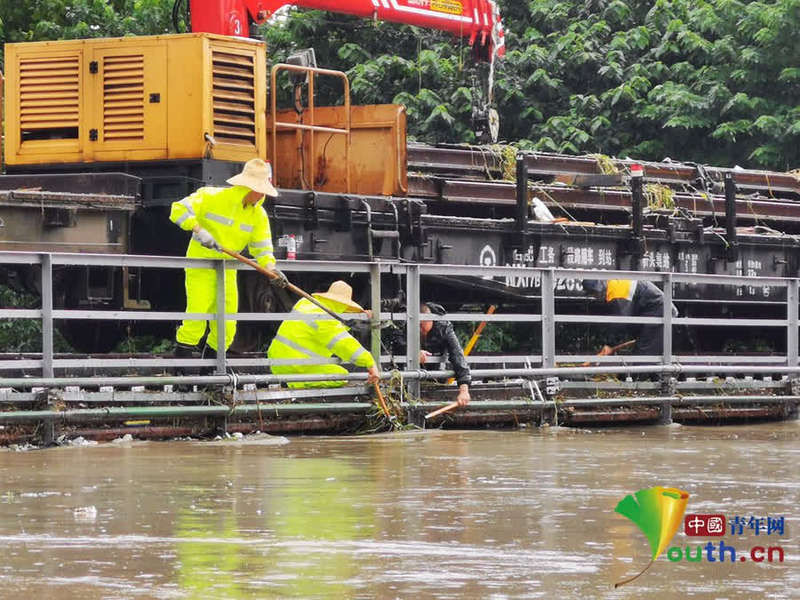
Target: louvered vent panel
49 94
123 97
234 98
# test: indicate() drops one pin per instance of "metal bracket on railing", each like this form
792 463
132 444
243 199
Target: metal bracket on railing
552 386
230 390
665 412
668 385
48 399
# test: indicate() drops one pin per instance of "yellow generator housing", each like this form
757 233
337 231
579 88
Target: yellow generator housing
183 96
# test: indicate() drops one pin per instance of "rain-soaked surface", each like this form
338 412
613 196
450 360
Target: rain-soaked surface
514 514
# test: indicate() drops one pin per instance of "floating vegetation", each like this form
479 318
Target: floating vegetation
394 393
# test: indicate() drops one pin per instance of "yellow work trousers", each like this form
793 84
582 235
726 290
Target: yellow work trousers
311 370
201 297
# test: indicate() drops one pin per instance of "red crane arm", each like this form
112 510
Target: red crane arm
478 20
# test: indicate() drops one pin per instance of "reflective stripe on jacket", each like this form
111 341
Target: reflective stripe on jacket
234 225
318 339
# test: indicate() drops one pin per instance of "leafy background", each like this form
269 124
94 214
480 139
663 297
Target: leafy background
713 82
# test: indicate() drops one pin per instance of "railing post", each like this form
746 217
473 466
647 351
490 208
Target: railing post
375 303
666 355
792 298
667 381
412 325
221 341
548 320
47 315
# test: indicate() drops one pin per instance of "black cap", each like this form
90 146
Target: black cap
594 287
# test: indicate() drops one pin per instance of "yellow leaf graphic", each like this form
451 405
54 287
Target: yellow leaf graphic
658 512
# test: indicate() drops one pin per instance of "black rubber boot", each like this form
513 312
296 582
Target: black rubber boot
209 353
183 351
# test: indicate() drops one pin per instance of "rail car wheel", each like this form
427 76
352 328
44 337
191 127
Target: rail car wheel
69 292
256 295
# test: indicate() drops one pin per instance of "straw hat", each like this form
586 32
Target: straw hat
342 293
256 175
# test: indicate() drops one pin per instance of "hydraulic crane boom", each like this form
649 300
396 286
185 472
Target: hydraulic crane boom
478 20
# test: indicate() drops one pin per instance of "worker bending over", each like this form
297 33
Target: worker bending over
439 337
435 337
319 339
632 298
223 217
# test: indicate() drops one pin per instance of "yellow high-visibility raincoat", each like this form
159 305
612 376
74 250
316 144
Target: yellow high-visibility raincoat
222 212
316 340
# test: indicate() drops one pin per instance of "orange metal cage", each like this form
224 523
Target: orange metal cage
311 128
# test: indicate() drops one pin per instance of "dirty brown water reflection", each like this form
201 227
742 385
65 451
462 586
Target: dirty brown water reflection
515 514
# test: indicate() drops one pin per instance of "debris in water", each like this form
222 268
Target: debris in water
78 441
238 439
21 447
85 513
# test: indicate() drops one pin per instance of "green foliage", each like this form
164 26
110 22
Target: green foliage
36 20
145 343
710 81
24 335
497 337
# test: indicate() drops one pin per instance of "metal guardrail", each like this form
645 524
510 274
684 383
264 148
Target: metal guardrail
546 356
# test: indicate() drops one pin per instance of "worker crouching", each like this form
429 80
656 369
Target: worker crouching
321 339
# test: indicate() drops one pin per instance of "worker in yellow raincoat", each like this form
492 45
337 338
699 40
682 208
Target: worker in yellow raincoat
223 217
321 339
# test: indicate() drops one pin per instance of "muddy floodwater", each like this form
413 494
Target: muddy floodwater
475 514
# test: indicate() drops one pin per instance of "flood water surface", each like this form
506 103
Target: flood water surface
514 514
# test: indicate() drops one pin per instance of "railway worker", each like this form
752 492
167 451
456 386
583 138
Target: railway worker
436 337
631 298
223 217
319 339
439 337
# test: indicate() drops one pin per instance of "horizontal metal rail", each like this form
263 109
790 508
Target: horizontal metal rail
111 414
239 379
547 358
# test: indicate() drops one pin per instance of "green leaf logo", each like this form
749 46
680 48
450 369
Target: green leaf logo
658 512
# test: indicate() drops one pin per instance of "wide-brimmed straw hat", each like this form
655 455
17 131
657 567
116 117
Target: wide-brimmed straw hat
342 293
256 175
